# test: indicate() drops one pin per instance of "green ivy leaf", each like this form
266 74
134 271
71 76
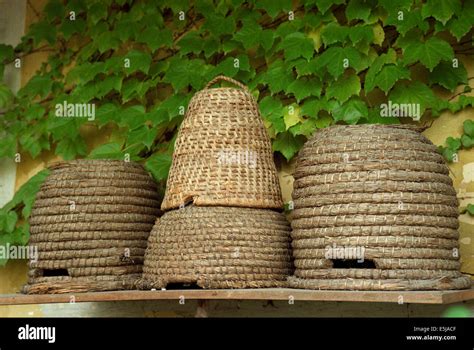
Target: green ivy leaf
139 61
448 76
111 150
26 193
8 221
291 116
230 67
389 75
86 72
70 148
37 86
174 106
127 29
297 45
269 105
334 59
184 72
351 112
54 9
413 93
429 53
252 34
358 9
142 135
277 76
468 127
312 106
448 154
217 25
97 11
305 128
107 113
6 52
190 43
470 209
467 142
69 28
324 5
34 142
361 34
210 47
376 67
287 144
453 143
442 10
8 145
394 5
43 31
375 117
107 41
461 25
343 88
34 112
410 20
112 82
334 33
274 7
155 37
159 166
6 96
272 111
305 87
131 117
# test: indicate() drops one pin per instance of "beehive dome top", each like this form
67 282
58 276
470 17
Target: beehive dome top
223 155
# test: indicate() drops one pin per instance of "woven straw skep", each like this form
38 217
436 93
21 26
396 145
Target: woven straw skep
382 192
219 247
90 223
223 155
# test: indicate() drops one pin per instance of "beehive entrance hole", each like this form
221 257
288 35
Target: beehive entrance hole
352 264
175 286
55 273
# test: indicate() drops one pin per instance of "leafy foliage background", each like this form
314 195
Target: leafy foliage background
310 63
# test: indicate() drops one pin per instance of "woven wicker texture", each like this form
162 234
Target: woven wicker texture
223 155
379 194
90 224
219 247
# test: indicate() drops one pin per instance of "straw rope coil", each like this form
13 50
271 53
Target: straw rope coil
374 209
223 155
218 247
90 224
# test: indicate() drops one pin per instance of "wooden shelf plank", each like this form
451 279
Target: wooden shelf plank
418 297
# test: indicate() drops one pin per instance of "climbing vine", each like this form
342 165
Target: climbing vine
310 64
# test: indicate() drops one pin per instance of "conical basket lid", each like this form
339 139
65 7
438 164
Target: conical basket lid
223 155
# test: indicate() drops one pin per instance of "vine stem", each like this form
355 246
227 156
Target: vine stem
44 48
37 14
456 95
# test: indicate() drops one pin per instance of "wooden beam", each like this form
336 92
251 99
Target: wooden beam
285 294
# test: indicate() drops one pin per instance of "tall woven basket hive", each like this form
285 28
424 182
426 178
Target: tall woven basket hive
223 154
90 223
229 237
381 188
